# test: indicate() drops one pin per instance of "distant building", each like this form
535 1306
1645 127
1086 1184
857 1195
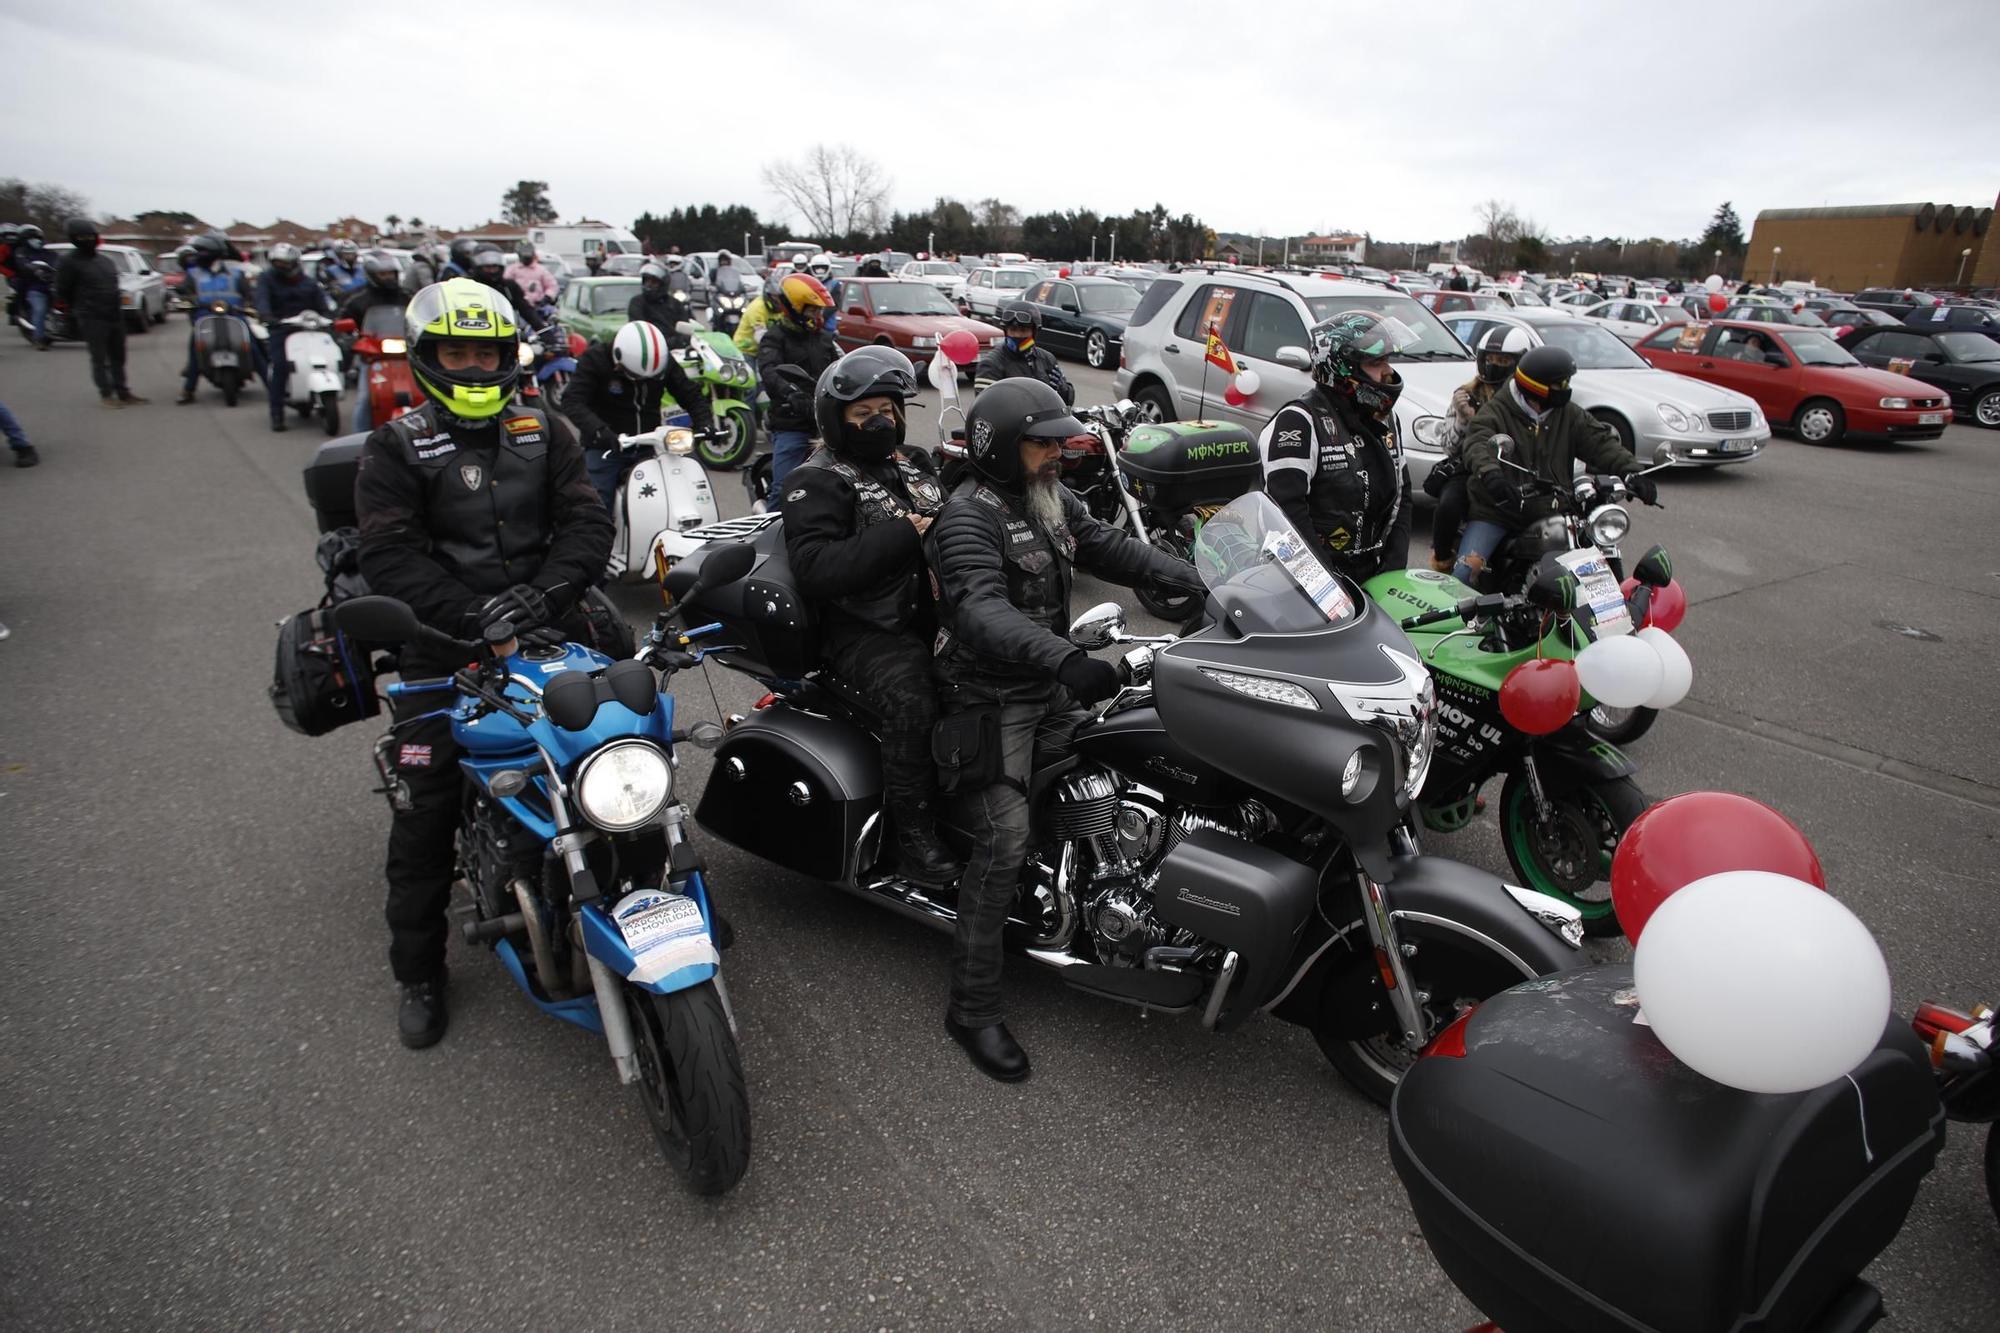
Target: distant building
1334 249
1874 245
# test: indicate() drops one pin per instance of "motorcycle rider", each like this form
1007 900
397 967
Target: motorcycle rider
658 304
1003 549
489 268
1332 461
206 279
678 280
795 349
1499 351
340 271
1016 355
422 272
616 391
87 282
725 279
529 274
594 263
854 531
1549 433
34 279
474 509
821 267
459 258
283 290
384 288
9 231
757 316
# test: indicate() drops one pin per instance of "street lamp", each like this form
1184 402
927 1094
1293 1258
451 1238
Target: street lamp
1963 255
1718 262
1776 250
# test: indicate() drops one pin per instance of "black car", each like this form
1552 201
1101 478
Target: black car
1941 318
1964 364
1084 317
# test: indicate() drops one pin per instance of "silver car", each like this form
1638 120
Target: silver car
1659 415
141 290
1634 320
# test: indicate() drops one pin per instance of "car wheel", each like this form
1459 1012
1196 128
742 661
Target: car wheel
1096 350
1153 403
1986 410
1619 424
1820 421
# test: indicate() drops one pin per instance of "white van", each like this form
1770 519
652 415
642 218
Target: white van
585 238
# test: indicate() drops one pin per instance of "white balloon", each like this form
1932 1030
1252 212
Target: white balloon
1714 282
1247 382
1761 982
1620 671
1676 671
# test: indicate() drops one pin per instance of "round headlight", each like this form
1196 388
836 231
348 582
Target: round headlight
680 440
1609 524
527 353
1674 418
1350 777
624 786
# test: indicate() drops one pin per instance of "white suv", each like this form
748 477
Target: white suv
1264 317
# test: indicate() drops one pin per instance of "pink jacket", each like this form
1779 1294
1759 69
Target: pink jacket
537 283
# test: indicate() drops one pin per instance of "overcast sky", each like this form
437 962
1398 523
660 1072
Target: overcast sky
1594 117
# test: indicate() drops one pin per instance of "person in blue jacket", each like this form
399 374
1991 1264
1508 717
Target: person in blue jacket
210 279
283 290
340 271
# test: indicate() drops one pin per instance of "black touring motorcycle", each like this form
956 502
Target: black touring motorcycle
1231 834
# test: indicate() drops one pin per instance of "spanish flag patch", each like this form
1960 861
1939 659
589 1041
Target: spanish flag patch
522 425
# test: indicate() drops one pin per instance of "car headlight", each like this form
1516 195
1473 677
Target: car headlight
680 440
1674 418
1609 524
923 340
624 786
1895 402
1429 432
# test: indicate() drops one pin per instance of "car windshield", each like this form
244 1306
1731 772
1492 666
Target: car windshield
1525 297
1111 298
1014 278
909 298
1594 346
1434 341
1255 563
610 296
1814 348
936 269
1969 346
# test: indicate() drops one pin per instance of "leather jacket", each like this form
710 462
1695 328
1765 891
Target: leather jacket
850 545
1339 477
999 362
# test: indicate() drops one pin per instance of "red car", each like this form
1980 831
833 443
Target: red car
907 315
1803 379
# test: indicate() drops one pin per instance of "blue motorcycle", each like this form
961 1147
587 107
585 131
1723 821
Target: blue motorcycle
582 878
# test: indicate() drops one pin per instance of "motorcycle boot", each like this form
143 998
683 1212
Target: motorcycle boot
992 1048
925 859
421 1017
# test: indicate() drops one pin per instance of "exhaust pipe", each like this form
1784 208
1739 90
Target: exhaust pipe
538 941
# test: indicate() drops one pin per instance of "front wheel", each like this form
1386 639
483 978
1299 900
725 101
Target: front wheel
738 440
1620 726
230 380
691 1084
1821 422
1155 405
1986 411
1568 856
329 412
1171 607
1096 351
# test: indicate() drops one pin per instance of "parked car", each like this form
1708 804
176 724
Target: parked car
1839 322
1657 416
984 289
141 289
624 266
1972 318
1263 317
939 273
1965 365
1138 279
1084 317
1803 380
1774 314
1444 303
1633 319
1898 301
1826 307
1523 295
1412 281
900 313
595 307
169 267
1578 301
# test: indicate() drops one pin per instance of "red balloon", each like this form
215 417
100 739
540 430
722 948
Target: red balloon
1062 273
1693 836
960 346
1234 396
1667 608
1718 302
1540 697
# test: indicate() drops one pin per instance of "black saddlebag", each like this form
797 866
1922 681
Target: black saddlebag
796 789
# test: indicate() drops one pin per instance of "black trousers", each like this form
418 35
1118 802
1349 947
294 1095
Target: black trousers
1449 519
106 340
422 851
893 672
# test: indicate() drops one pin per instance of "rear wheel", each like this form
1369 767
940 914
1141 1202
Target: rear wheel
329 412
1568 856
738 441
691 1084
1820 422
1096 350
1154 403
1620 726
230 380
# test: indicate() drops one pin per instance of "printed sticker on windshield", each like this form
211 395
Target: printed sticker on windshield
1298 561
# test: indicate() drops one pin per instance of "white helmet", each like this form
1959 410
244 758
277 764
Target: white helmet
1500 350
673 261
820 265
640 351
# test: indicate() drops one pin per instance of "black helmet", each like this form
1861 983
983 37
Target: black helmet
382 272
1543 376
79 230
208 249
1021 312
462 252
866 372
524 250
488 264
1010 411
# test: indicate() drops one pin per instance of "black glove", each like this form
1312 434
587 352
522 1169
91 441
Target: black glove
1499 490
525 608
1643 487
1087 678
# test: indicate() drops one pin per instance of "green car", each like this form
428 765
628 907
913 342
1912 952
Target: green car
595 307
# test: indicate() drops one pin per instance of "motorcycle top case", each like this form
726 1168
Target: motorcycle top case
330 481
1570 1174
1181 464
763 615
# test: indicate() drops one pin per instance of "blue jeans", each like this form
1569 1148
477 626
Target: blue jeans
38 311
17 438
789 448
1479 541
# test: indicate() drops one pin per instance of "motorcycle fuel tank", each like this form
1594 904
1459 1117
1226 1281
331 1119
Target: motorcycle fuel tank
1135 742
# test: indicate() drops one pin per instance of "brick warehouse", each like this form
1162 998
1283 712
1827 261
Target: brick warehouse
1875 245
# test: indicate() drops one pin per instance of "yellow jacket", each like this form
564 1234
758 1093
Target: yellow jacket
755 316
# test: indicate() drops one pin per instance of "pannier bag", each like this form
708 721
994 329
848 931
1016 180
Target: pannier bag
321 679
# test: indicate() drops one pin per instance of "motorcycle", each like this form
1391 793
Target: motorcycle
58 326
224 349
664 492
1229 835
313 386
1568 797
725 311
720 372
382 364
583 880
1961 1051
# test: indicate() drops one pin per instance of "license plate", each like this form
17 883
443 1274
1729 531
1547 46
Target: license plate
1737 446
1930 418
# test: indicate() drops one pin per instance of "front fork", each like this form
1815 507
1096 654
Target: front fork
606 985
1391 956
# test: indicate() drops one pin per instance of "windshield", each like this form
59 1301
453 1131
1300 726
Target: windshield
1816 349
1526 297
936 269
611 296
1594 346
909 298
1257 565
1004 278
1970 346
1434 341
1113 298
385 320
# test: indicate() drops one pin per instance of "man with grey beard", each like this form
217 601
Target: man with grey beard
1013 688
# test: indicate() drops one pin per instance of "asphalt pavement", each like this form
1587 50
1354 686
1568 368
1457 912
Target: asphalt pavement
208 1122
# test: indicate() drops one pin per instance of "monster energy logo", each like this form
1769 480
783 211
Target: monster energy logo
1202 453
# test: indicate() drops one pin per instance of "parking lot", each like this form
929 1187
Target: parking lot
209 1122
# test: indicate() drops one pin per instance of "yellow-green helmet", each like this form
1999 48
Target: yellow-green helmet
461 310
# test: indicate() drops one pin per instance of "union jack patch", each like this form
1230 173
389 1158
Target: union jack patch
414 756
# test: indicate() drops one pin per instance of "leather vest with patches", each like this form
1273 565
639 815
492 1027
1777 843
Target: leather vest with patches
1040 567
486 492
1357 487
894 602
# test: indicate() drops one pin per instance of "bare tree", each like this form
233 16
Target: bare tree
835 189
43 203
1002 223
1499 228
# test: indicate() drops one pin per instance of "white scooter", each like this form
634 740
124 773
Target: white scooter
665 493
313 386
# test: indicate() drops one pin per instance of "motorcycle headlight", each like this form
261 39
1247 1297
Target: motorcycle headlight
1674 418
526 351
624 786
1609 524
1429 432
394 347
680 440
1895 402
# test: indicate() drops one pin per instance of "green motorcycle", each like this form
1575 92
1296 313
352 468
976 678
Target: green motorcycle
1568 797
719 370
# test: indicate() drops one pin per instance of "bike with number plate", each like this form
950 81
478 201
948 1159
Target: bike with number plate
583 880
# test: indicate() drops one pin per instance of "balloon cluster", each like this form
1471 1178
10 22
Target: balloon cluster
1241 389
1716 300
1747 970
1643 670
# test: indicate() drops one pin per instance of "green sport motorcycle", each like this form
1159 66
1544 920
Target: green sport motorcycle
1568 797
719 370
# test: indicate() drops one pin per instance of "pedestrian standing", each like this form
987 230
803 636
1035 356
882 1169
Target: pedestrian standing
88 283
17 439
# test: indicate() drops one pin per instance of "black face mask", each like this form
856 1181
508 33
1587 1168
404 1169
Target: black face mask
85 245
874 439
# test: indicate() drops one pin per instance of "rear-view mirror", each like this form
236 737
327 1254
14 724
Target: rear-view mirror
344 326
1294 358
1098 627
1654 569
375 619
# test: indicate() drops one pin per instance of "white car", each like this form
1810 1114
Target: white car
1515 296
141 290
986 289
939 273
1576 302
1633 319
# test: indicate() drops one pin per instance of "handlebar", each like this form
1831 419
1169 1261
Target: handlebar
1486 604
